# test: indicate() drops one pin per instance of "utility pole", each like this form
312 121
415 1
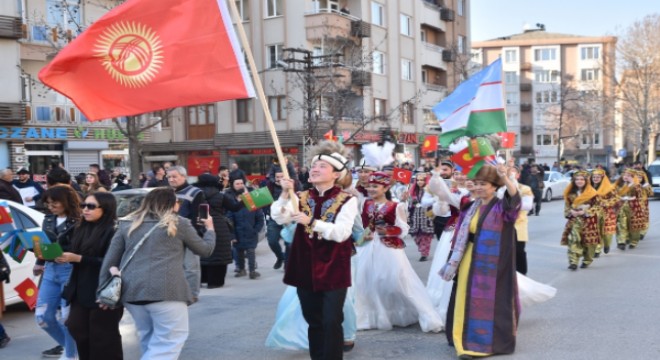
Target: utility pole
305 63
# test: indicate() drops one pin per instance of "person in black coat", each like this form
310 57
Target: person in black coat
247 225
214 267
96 331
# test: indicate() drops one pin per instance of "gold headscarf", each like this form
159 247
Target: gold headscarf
623 189
587 194
605 186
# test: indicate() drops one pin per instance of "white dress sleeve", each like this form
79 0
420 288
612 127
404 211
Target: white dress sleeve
341 229
402 220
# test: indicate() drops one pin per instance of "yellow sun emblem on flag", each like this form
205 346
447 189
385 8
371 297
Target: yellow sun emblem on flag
132 53
427 143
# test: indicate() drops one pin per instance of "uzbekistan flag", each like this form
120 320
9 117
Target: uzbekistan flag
475 107
148 55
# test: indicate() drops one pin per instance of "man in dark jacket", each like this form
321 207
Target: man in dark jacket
247 225
32 190
535 181
7 191
160 178
189 198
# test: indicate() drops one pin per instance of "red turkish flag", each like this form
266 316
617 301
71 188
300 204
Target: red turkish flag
430 144
402 175
148 55
508 140
28 291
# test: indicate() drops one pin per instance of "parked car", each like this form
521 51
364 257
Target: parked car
129 200
30 220
554 185
654 170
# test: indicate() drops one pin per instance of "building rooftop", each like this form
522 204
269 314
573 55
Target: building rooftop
539 36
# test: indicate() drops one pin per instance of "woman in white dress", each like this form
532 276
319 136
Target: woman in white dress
388 292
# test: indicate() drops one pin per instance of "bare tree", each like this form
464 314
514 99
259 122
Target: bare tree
638 89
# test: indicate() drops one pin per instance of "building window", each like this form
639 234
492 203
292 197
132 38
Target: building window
164 115
510 77
43 113
460 7
546 97
379 62
596 139
244 110
590 74
274 7
510 56
406 70
511 98
201 114
277 106
64 15
39 33
422 35
377 14
379 108
460 44
548 54
425 76
590 53
546 76
243 7
407 113
406 25
546 140
274 56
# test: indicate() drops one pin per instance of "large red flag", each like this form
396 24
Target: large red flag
148 55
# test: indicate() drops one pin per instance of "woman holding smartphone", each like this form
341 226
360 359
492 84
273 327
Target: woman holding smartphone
96 331
214 267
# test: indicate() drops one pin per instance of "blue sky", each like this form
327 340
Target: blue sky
495 18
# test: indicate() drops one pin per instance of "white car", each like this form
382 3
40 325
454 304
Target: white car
554 184
30 220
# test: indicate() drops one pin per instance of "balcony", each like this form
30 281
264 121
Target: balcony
360 78
431 55
526 66
525 129
448 56
326 23
12 114
436 87
525 107
525 87
360 29
526 150
447 15
11 27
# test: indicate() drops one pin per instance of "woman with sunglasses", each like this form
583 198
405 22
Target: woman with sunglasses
154 287
95 331
64 206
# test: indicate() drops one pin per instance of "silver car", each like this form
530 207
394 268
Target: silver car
554 184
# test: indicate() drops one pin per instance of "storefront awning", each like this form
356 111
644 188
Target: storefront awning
154 158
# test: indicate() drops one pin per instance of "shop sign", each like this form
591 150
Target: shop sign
401 137
199 163
267 151
60 133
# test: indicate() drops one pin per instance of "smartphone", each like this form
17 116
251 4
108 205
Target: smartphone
203 211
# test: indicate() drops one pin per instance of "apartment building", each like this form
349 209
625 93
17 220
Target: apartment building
37 125
383 63
559 91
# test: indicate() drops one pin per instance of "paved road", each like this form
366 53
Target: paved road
608 311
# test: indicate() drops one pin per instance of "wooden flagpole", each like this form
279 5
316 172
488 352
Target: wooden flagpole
262 97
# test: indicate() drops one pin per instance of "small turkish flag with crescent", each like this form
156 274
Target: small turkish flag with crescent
402 175
148 55
328 135
508 140
28 291
430 144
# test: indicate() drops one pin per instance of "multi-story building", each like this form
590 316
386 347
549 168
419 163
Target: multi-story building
37 125
559 91
371 64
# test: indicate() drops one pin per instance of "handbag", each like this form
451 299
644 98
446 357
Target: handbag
109 292
5 270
